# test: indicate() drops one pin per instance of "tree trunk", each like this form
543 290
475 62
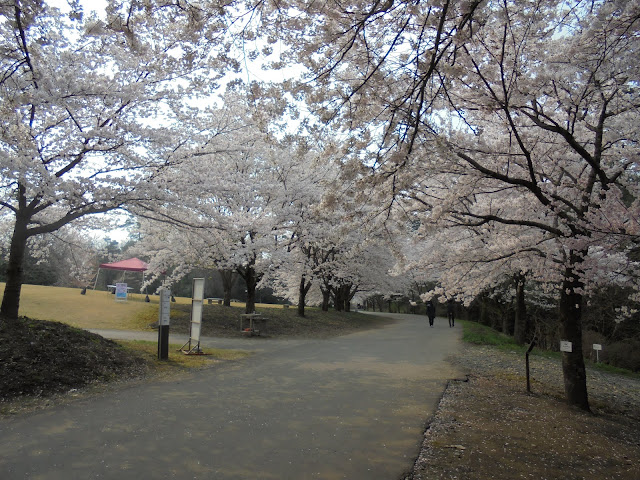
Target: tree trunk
248 273
575 376
483 310
251 290
326 295
227 284
15 271
338 293
350 292
302 295
520 326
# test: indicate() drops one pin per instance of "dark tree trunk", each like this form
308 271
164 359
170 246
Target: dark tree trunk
483 310
575 376
248 273
326 296
350 292
338 303
302 295
227 284
520 326
15 271
251 291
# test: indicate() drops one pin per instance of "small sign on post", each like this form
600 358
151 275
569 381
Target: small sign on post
597 347
163 323
566 346
121 291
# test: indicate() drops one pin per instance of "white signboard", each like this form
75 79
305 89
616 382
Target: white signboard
196 309
165 307
597 346
565 346
121 291
198 289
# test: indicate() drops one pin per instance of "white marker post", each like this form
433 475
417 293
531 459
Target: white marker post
197 302
163 324
597 347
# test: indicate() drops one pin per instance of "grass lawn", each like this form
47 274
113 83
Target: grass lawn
96 309
100 310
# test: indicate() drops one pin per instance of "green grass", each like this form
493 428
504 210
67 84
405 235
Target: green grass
478 334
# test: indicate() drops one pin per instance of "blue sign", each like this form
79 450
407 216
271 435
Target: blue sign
121 291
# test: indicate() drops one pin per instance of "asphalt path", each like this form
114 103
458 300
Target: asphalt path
352 407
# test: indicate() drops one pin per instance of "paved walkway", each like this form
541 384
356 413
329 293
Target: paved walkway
353 407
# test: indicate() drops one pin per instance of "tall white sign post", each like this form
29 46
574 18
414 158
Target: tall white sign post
197 301
163 323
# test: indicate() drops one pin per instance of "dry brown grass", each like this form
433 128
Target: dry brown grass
490 428
96 309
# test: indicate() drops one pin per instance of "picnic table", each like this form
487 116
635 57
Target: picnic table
252 318
112 289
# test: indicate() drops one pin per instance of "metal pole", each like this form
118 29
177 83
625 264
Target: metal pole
96 282
163 324
533 342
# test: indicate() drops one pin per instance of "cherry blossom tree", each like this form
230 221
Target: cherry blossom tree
221 200
302 182
547 148
516 119
79 99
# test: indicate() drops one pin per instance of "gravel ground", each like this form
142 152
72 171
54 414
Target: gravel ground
607 392
487 426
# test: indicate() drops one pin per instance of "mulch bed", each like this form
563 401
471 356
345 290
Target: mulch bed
40 358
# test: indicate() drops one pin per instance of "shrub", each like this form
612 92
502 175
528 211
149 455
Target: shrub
622 354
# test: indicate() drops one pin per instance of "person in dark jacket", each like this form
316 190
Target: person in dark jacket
431 312
450 313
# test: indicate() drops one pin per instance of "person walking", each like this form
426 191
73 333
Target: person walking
450 313
431 312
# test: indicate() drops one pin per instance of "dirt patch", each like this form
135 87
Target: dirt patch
489 427
39 358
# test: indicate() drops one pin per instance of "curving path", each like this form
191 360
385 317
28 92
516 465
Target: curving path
353 407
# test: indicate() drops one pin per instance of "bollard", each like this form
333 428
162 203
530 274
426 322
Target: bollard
163 324
533 342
